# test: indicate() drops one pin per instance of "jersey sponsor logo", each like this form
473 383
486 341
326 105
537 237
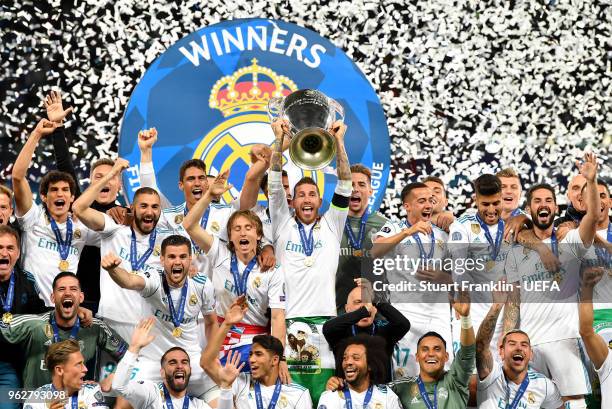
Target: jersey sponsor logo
207 96
46 244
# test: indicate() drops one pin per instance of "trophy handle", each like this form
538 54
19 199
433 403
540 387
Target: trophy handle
275 108
338 110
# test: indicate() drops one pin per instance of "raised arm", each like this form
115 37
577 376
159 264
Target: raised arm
146 140
56 113
92 218
587 227
21 187
484 358
596 347
462 307
111 263
191 223
342 163
209 360
260 159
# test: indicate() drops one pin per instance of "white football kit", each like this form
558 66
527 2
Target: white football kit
89 397
382 398
292 396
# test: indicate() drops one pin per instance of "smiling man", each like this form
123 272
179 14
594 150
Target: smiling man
35 333
67 387
52 240
176 301
511 384
363 371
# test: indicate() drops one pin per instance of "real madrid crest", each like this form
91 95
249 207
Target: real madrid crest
48 331
283 402
77 233
378 405
178 219
193 300
257 282
215 226
475 228
440 244
156 251
531 398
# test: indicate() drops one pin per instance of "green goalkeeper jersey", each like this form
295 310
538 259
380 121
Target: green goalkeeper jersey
452 388
34 334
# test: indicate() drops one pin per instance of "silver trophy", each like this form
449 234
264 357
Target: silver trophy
310 114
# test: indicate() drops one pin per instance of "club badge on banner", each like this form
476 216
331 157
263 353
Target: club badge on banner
207 96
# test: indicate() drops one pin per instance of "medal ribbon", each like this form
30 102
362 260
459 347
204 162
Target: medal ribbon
349 401
74 401
498 236
240 285
515 212
416 237
603 255
425 395
7 301
554 243
307 242
63 246
169 399
519 393
275 395
356 243
177 317
203 222
136 262
73 332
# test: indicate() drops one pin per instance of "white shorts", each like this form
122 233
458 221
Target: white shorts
200 385
404 359
563 362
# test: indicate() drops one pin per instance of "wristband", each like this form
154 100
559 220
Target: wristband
466 322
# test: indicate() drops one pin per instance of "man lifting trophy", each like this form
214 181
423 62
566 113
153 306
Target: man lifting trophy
310 115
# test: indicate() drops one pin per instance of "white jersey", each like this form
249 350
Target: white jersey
602 296
292 396
418 304
116 303
548 314
468 241
496 392
171 222
382 398
264 290
40 250
146 394
605 380
200 299
310 290
89 397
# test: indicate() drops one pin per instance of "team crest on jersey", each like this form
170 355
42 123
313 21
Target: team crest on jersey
283 401
215 226
48 331
257 282
414 391
77 233
207 96
475 228
378 405
156 251
178 219
193 300
531 398
440 244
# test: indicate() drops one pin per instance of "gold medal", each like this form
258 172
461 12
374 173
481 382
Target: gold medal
214 226
7 317
134 272
176 332
178 219
64 265
309 261
358 253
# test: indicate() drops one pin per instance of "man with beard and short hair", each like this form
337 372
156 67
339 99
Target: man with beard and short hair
355 259
440 216
176 300
52 239
34 333
363 371
138 246
67 388
552 321
263 383
511 384
308 247
175 373
423 244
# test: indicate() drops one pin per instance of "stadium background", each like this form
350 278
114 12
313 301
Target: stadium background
467 86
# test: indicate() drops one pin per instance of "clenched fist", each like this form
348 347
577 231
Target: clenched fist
110 262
